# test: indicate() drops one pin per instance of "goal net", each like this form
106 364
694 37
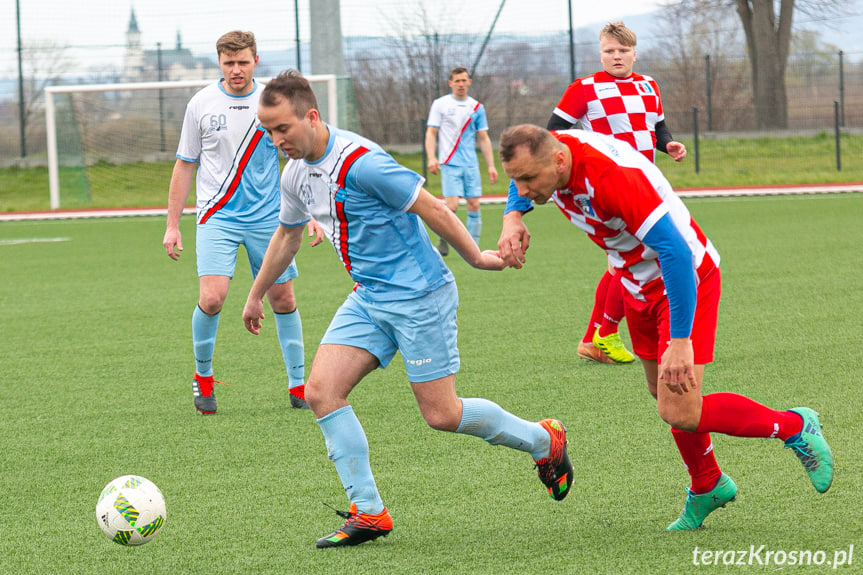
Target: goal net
102 137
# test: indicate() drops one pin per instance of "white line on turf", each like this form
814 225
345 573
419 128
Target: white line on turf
19 241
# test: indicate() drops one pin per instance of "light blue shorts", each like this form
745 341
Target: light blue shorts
424 330
216 250
461 181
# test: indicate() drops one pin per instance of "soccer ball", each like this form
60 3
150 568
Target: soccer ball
131 510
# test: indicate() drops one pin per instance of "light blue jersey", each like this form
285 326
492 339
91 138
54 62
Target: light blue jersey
360 197
237 182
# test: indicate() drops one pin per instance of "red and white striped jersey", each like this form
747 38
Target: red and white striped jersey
626 108
237 181
457 122
616 197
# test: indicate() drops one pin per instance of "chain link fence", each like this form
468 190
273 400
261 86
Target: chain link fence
520 79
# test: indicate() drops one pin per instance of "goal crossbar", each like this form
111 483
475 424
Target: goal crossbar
51 119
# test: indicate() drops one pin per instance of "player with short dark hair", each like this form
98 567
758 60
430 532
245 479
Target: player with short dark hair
457 123
374 213
671 273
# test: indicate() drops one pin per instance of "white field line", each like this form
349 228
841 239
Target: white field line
685 193
19 241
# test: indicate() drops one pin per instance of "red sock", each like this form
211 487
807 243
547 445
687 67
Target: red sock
737 415
596 314
613 310
696 449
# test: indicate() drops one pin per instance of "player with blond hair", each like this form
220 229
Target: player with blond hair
618 102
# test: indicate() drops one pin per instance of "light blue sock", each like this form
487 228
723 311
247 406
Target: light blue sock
487 420
204 328
474 225
348 449
289 328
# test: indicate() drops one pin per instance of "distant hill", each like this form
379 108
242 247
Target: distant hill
844 33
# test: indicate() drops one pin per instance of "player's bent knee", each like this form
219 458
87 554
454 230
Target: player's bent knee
322 401
442 421
282 299
211 304
679 417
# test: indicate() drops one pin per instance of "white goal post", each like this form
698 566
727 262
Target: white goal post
77 119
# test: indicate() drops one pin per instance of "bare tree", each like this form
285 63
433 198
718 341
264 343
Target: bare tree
393 91
692 32
768 40
767 25
43 62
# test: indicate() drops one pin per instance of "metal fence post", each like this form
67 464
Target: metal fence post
162 147
423 147
709 103
22 116
695 136
841 88
838 136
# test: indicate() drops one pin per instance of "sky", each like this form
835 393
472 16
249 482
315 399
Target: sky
93 31
103 23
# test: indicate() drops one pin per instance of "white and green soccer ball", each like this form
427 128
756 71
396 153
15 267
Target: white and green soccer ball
131 510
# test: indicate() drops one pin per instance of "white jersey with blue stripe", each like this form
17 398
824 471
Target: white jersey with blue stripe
360 196
457 122
237 179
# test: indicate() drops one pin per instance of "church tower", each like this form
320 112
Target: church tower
133 62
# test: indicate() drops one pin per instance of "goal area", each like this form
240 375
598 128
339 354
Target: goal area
100 136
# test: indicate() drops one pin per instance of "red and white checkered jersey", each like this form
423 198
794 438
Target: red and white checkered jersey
626 108
457 122
616 197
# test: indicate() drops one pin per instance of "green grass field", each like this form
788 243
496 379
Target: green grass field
722 163
97 362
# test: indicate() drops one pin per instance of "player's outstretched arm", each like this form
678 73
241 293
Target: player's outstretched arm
675 258
446 224
514 239
281 250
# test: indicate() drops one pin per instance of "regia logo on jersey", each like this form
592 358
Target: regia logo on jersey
454 111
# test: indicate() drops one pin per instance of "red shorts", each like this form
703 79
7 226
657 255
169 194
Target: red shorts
649 326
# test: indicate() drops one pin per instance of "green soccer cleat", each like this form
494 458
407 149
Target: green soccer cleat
699 505
443 247
613 347
812 450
